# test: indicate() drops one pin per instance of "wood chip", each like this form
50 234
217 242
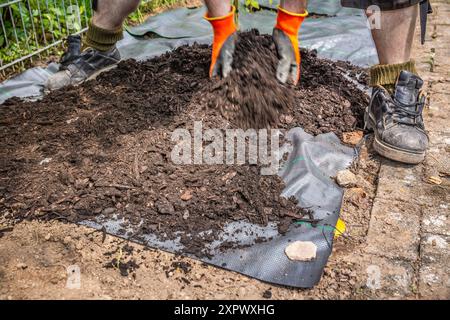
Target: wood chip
434 180
187 195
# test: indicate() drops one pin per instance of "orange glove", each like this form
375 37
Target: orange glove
285 36
223 44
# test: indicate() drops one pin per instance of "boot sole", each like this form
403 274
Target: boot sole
391 152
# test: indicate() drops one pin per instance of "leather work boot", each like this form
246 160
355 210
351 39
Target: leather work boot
73 43
86 66
397 120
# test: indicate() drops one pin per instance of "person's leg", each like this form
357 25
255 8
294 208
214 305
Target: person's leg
394 40
105 27
395 109
111 14
297 6
217 8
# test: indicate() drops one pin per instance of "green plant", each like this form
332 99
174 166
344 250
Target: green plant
248 5
52 20
252 5
31 25
148 7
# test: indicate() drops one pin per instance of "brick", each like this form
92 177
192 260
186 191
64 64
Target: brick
386 278
436 116
434 282
434 249
404 183
436 218
394 230
442 138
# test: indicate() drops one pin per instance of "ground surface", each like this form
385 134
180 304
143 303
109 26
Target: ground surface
396 248
106 147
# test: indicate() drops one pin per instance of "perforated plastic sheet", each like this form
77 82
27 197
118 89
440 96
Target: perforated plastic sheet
307 172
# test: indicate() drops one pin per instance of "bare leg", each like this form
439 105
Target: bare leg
111 14
217 8
297 6
394 40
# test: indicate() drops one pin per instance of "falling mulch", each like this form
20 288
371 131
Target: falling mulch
252 97
104 148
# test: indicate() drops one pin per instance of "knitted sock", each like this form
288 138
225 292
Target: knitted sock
102 39
386 75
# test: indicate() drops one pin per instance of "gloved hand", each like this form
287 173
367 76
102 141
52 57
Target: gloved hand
223 44
285 36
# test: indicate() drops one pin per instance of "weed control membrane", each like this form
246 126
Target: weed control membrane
100 154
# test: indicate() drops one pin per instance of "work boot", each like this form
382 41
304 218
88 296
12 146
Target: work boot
86 66
73 43
397 120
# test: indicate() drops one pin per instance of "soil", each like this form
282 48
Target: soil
251 97
103 148
36 256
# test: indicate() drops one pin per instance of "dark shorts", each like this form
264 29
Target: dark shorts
383 4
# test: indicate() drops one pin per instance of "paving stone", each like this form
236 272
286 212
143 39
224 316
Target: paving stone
435 249
437 115
386 278
441 14
438 155
436 218
404 196
394 230
439 138
434 281
402 182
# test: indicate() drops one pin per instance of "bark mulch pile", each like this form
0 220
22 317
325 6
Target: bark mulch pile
104 147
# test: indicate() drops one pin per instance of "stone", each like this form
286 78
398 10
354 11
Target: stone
21 265
187 195
198 276
352 138
164 206
267 294
394 230
346 178
301 251
108 211
386 277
